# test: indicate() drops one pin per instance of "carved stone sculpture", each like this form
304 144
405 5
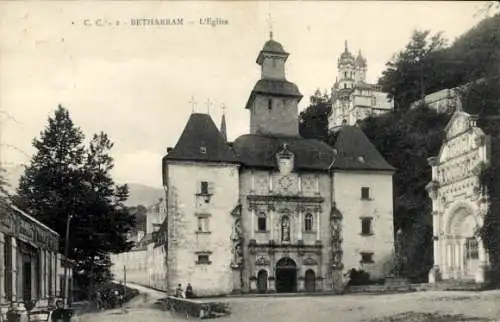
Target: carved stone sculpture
237 240
336 237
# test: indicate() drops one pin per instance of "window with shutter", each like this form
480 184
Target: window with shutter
211 188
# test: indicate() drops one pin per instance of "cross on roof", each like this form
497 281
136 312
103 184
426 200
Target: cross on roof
208 104
270 22
193 103
223 107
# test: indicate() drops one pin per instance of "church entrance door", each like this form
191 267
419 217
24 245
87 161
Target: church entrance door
310 281
262 281
286 275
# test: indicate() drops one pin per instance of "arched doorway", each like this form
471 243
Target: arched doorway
286 275
461 245
310 281
262 281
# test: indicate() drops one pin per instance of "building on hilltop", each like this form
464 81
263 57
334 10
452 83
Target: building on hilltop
444 101
272 211
353 99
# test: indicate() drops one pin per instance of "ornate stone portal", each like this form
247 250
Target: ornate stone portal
458 203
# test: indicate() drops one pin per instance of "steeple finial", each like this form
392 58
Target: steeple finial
223 123
346 49
270 22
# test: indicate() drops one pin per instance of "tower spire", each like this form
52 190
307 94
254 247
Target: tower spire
345 43
223 123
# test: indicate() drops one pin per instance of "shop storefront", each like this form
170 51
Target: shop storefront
30 266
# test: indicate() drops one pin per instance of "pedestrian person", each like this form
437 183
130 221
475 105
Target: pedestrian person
189 291
178 291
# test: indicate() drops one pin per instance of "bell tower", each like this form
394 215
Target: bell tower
273 103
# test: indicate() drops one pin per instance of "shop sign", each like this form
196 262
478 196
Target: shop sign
6 223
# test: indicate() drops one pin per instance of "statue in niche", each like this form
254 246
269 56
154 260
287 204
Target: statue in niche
285 229
237 238
336 240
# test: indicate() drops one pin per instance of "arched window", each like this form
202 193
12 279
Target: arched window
270 104
345 74
308 222
285 228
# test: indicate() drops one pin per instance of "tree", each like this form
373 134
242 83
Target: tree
407 75
64 177
314 119
406 141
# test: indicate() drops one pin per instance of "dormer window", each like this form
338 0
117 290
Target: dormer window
285 160
203 150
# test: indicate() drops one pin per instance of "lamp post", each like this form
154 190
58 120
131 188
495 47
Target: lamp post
66 250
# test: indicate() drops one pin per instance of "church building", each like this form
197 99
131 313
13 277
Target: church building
272 211
353 99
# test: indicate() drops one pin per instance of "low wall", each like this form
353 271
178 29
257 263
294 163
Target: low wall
379 289
194 308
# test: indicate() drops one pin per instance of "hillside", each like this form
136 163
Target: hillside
143 195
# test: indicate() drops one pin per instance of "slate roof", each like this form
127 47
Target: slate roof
356 152
275 87
256 150
201 132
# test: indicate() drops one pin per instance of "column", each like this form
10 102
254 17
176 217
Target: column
462 257
2 268
41 273
456 263
252 228
47 273
271 222
14 268
56 272
300 222
318 225
479 274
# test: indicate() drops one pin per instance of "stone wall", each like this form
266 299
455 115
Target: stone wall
200 226
379 207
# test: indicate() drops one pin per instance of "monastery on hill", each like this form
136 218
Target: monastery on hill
272 211
353 99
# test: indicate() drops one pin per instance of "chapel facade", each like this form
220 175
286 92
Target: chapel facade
272 211
353 99
459 204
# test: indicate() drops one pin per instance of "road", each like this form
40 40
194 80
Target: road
421 307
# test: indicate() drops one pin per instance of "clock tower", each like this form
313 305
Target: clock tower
273 103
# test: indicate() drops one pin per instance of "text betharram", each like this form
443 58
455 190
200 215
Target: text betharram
176 21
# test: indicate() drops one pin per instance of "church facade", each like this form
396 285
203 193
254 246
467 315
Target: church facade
459 204
353 99
272 211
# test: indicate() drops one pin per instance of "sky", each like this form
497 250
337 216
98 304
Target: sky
136 82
